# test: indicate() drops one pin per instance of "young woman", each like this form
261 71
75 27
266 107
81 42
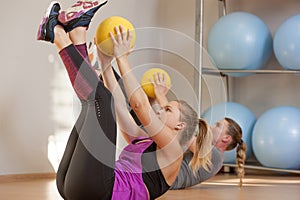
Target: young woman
148 165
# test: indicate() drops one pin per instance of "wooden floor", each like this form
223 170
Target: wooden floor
220 187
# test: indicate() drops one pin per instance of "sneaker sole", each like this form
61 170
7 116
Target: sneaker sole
44 20
78 11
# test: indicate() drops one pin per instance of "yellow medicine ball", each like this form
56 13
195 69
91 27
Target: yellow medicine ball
103 40
148 75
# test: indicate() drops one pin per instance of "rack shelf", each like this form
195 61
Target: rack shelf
223 71
265 168
212 70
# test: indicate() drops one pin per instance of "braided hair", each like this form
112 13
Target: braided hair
235 131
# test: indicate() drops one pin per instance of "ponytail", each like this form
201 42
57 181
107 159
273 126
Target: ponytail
240 160
204 140
202 154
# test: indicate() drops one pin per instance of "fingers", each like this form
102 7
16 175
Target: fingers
124 33
121 41
129 35
113 38
160 78
121 35
118 34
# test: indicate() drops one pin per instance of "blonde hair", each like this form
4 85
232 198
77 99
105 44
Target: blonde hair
235 131
202 154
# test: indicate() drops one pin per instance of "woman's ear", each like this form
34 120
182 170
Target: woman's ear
180 126
226 139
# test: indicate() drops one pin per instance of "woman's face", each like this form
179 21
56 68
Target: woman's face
170 114
219 129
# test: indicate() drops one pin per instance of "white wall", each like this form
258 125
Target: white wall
27 72
179 18
25 84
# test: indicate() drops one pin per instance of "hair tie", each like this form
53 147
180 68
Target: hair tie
241 142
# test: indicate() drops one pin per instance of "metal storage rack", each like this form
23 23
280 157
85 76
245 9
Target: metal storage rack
199 25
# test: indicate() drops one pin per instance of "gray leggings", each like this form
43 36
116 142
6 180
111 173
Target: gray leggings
86 170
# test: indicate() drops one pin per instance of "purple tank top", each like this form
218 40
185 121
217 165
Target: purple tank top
129 182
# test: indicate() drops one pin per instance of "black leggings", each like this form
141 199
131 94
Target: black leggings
86 170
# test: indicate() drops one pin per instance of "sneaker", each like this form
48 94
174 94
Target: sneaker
80 14
49 21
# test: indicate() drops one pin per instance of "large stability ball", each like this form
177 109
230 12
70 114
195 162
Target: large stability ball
287 43
276 138
148 76
103 40
239 113
240 41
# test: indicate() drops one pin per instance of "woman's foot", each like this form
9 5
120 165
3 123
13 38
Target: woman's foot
80 14
49 21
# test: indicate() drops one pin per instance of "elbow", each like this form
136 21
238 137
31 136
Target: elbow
137 106
139 103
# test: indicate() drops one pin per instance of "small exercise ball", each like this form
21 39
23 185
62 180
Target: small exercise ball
149 75
103 40
241 115
276 138
287 43
239 41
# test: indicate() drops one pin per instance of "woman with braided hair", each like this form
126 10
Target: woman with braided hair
227 135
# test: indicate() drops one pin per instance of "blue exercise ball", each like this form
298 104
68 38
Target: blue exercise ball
287 43
276 138
240 41
239 113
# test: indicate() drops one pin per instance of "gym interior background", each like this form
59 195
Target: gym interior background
37 104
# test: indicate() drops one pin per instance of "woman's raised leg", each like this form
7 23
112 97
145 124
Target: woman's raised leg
87 168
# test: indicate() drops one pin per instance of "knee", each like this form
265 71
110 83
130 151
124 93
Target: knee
59 33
